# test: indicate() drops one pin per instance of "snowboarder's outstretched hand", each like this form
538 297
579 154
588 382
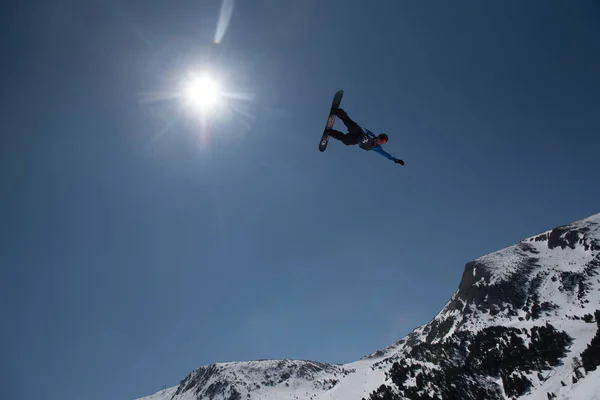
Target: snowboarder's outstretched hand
399 161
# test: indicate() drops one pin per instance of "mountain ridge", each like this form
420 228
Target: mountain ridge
514 326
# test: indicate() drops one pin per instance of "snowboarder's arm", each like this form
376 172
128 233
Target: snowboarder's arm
384 153
387 155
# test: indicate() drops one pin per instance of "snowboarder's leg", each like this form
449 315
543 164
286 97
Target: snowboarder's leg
348 139
352 126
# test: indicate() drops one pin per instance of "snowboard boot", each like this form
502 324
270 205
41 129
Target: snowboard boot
339 112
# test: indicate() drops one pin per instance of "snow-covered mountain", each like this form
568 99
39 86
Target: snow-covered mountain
523 324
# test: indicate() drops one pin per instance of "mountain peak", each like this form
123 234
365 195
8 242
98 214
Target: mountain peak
522 324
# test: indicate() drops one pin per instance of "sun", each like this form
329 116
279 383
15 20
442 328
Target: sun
203 92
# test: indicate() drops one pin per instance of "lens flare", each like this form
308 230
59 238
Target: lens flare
224 18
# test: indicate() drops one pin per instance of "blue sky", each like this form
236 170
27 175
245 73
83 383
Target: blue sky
137 245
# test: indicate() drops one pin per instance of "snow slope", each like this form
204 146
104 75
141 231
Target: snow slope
512 329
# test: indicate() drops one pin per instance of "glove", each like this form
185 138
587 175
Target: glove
399 161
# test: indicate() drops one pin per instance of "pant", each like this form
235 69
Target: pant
354 131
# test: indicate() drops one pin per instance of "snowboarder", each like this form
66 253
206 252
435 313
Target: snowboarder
365 139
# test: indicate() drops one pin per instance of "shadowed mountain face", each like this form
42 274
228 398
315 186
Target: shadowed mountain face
522 324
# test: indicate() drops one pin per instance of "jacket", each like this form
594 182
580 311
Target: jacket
366 141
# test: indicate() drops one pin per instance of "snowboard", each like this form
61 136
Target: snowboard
337 99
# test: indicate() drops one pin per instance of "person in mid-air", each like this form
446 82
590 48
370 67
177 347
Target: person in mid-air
365 139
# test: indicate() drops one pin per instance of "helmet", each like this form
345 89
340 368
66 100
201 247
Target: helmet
383 137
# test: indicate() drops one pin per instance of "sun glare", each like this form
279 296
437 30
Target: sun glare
203 92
